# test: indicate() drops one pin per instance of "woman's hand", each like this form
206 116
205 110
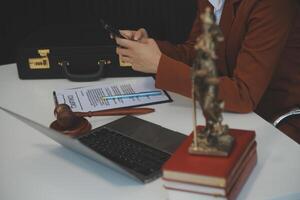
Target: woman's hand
143 54
135 35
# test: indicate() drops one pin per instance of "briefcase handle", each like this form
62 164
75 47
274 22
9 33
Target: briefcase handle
82 77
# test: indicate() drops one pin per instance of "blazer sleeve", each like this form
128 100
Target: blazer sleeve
255 62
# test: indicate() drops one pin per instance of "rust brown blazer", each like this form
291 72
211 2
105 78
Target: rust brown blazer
259 61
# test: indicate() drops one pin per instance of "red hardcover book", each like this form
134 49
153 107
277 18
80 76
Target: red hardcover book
243 171
219 191
176 194
208 170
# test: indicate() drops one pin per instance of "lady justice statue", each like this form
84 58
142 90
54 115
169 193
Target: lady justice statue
214 138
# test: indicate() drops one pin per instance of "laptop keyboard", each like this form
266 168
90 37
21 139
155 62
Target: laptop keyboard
125 151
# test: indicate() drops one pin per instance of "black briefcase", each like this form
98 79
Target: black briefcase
75 52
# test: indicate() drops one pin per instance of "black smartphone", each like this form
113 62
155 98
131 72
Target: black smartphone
111 30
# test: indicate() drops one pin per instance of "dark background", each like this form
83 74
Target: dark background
164 19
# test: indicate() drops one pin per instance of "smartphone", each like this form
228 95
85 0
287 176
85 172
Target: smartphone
111 30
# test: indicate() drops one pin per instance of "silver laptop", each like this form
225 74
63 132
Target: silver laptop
131 146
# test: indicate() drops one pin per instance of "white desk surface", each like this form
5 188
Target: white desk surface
33 167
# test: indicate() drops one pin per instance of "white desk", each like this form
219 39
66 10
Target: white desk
33 167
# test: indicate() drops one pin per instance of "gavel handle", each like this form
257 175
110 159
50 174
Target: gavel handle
118 111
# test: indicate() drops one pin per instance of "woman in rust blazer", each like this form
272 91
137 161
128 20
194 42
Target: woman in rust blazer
258 62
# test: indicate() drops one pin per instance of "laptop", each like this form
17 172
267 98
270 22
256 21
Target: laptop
129 145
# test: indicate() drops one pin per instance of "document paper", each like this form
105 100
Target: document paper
90 98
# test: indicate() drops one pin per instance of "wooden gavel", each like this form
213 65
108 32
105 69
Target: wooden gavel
74 124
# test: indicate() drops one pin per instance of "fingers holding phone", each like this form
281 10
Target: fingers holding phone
135 47
144 56
137 35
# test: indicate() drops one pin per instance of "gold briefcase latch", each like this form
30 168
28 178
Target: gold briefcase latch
42 62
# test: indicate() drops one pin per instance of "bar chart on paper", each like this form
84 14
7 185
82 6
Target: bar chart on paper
129 93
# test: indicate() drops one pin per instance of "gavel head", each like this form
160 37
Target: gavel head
68 123
65 116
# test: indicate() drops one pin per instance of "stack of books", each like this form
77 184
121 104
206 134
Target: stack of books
187 176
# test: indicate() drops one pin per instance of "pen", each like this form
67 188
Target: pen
116 111
55 98
139 94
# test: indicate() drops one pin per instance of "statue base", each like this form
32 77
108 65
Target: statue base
221 146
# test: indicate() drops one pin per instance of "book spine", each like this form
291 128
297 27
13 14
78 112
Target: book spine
238 171
232 175
236 189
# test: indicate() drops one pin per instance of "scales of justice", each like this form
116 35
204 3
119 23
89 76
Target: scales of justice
213 139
